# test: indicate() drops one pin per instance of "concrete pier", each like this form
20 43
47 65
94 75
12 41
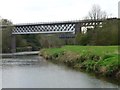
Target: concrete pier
13 44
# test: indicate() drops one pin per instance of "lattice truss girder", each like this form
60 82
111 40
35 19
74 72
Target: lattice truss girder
91 23
32 29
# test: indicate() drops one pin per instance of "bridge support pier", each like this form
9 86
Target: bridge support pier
77 28
13 44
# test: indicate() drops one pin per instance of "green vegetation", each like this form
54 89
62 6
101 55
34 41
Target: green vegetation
6 36
38 41
106 35
102 60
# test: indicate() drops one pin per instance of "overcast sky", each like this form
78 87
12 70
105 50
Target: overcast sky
29 11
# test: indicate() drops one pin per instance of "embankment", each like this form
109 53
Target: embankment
101 60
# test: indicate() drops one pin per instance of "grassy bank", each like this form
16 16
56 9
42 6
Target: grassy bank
101 60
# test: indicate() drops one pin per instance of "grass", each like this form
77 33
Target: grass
100 50
103 60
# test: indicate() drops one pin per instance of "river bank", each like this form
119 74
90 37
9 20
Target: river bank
100 60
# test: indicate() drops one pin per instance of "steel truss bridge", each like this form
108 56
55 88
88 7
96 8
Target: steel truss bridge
53 27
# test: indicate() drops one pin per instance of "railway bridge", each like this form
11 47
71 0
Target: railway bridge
71 27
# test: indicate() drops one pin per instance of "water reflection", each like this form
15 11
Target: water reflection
39 73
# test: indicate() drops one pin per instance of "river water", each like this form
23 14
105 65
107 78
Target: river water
36 72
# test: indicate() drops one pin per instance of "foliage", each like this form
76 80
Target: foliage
105 35
30 40
20 41
50 40
81 39
108 34
42 41
6 36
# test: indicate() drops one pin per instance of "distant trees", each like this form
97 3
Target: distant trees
38 41
82 39
108 34
6 36
96 13
51 40
105 35
27 41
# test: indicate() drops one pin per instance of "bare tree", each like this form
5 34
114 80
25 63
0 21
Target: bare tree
96 13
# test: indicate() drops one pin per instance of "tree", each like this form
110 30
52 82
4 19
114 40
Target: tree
96 13
105 35
0 36
82 39
51 40
108 34
6 36
29 40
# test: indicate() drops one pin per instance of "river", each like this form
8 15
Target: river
36 72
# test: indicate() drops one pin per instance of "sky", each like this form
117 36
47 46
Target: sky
32 11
